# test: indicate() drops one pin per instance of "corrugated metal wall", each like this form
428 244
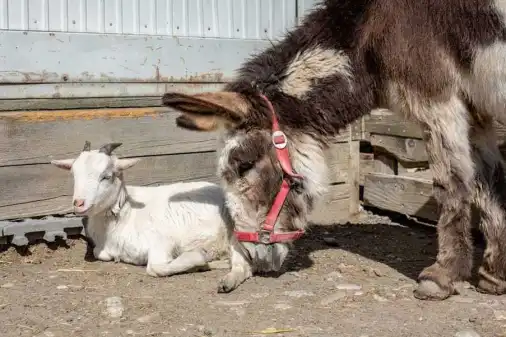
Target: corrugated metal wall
99 48
240 19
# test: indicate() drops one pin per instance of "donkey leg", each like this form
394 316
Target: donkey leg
490 198
450 159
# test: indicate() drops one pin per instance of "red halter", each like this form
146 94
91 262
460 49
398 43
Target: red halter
266 235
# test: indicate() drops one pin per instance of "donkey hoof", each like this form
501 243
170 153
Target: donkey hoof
488 284
227 284
431 291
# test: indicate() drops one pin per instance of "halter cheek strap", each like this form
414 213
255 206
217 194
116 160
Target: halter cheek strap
266 235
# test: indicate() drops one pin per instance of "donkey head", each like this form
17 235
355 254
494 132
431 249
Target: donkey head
248 165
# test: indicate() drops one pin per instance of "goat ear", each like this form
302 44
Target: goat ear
65 164
208 111
123 164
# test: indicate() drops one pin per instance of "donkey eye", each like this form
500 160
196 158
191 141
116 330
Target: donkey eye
245 167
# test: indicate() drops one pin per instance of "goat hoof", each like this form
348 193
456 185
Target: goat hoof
431 291
226 285
489 284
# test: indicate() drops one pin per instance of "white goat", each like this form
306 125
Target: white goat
172 229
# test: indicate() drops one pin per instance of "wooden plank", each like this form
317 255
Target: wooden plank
334 206
385 164
42 189
386 122
366 165
337 161
354 176
404 149
406 195
38 137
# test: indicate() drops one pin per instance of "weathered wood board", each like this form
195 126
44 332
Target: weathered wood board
335 206
402 194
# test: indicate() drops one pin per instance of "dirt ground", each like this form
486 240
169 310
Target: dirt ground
346 280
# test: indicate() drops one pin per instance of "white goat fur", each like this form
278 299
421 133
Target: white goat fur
172 228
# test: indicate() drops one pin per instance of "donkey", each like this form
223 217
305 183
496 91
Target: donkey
441 63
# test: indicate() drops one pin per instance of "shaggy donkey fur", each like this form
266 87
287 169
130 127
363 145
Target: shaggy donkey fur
440 62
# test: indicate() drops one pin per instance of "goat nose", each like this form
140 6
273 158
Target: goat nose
78 202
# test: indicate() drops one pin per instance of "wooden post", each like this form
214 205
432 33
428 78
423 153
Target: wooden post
354 174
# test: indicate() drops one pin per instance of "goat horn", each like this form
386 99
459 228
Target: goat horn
87 146
108 148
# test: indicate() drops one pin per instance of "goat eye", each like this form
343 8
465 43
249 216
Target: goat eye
107 177
244 167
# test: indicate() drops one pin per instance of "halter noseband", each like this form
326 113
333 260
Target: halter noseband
266 234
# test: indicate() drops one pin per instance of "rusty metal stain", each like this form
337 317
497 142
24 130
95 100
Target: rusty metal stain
82 114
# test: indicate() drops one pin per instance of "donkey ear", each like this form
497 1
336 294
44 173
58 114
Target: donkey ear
65 164
208 111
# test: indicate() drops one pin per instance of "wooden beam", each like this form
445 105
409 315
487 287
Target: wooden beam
386 122
404 149
38 137
402 194
42 189
334 206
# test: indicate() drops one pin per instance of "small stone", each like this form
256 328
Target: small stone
62 287
260 295
467 333
231 303
282 306
460 299
48 334
348 286
379 298
333 298
130 332
358 293
500 315
330 241
114 307
7 285
148 318
333 276
298 293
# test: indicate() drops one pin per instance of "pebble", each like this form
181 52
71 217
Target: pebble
330 241
333 298
231 303
298 293
114 306
500 315
7 285
348 286
467 333
460 299
148 318
260 295
62 287
379 298
333 276
282 306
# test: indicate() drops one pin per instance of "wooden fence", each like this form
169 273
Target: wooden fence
31 188
400 179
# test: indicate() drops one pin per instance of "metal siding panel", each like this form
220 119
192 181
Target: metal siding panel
180 18
67 57
37 15
224 23
18 14
56 15
210 18
94 16
252 24
4 15
129 17
266 19
147 17
73 11
112 16
161 19
195 20
290 11
238 28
